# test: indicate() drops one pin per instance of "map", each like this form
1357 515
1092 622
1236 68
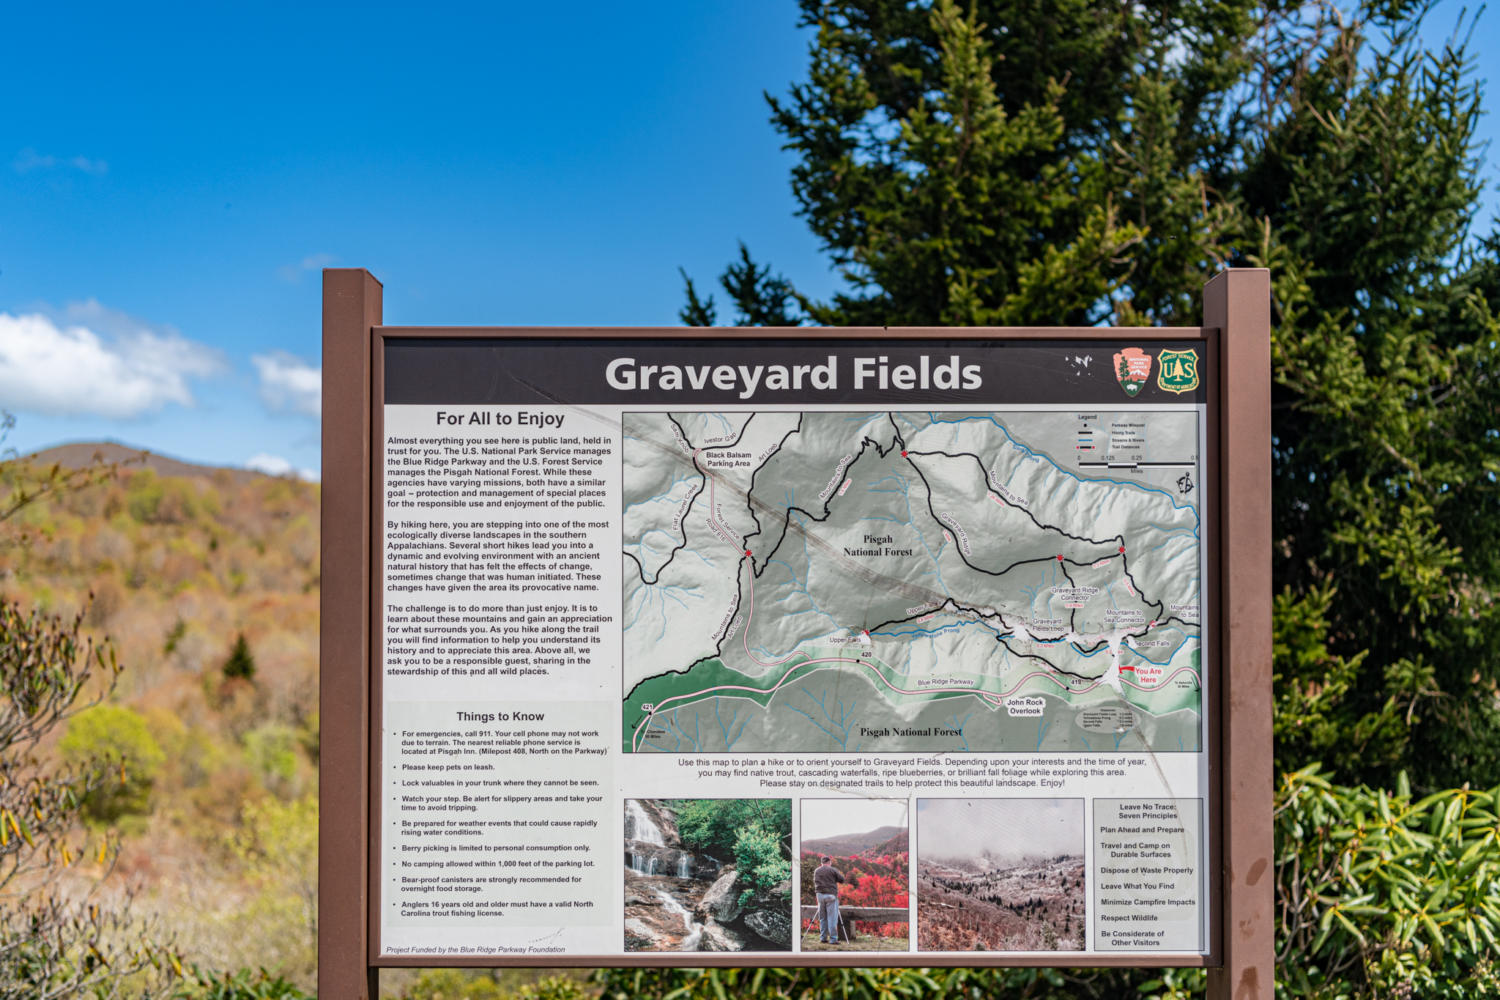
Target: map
829 582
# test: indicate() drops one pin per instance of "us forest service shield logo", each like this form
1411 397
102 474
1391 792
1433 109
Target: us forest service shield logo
1179 371
1132 369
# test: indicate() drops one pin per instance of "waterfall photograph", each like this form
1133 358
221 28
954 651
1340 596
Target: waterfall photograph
708 875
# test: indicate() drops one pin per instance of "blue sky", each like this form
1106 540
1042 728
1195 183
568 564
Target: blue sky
172 180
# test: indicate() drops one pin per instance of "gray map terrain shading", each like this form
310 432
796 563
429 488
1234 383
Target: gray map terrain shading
912 581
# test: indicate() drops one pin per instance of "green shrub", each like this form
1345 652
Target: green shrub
201 984
453 984
174 636
143 496
712 826
553 988
1388 893
271 752
467 984
151 499
757 855
848 984
118 737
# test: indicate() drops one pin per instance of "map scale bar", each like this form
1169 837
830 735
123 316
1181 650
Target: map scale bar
1139 465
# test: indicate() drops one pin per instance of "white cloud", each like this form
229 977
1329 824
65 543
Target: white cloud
275 465
91 360
102 319
289 383
292 273
29 159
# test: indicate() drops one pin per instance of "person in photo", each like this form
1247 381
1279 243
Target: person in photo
826 879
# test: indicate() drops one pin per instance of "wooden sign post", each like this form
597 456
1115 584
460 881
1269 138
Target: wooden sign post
626 631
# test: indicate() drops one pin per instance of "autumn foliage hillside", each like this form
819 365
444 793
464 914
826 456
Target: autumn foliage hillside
206 582
878 876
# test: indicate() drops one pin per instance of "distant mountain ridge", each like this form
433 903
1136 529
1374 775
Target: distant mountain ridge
882 840
981 863
81 454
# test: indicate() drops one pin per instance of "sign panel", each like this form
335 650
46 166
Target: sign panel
671 632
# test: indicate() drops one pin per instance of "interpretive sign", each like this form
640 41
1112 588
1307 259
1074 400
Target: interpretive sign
800 647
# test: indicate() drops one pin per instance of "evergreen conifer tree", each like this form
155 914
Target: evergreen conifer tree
1087 162
241 663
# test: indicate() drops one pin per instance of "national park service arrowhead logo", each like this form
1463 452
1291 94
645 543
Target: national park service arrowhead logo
1132 368
1179 371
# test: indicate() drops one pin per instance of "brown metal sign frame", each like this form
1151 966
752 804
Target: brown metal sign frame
1237 722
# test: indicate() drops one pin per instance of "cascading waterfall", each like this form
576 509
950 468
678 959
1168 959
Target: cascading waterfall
639 826
642 830
694 929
